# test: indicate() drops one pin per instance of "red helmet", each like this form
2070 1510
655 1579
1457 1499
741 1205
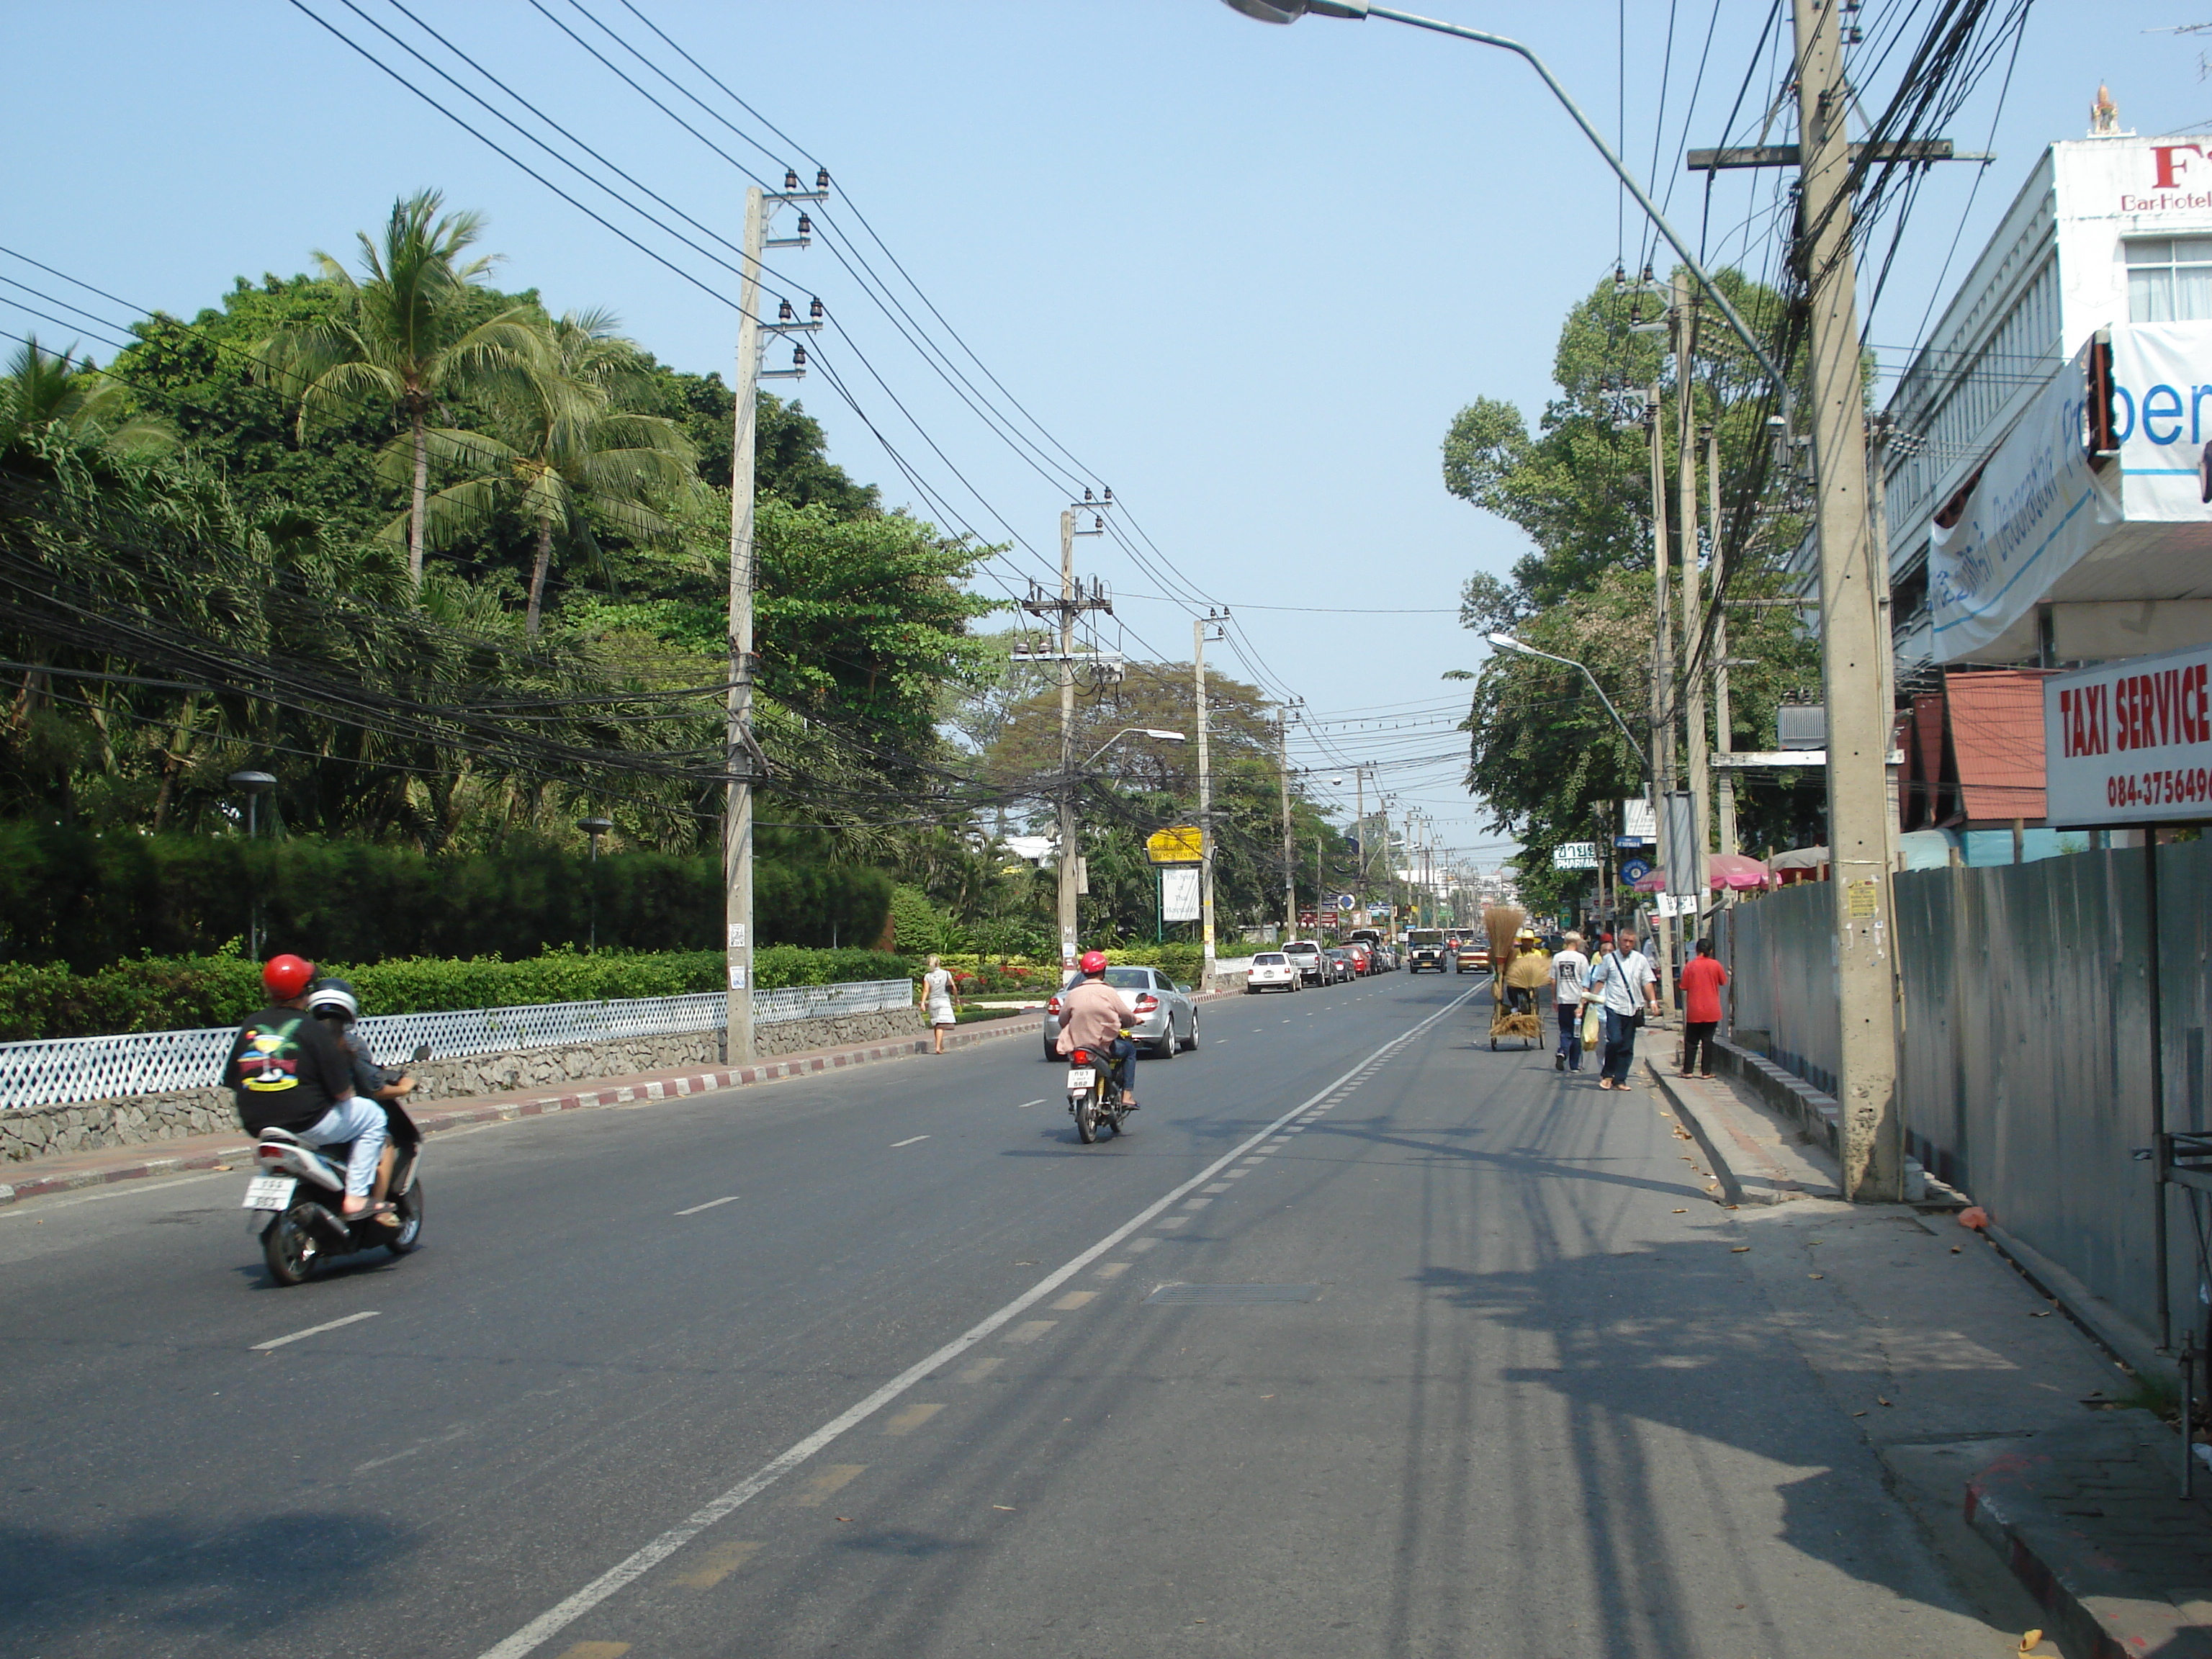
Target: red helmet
1092 962
286 976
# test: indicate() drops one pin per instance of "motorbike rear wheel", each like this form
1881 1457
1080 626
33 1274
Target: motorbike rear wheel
1086 1116
288 1246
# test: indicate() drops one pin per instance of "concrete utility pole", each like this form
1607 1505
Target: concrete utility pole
1851 650
1071 602
1723 731
1283 778
1663 685
746 766
1198 635
1693 686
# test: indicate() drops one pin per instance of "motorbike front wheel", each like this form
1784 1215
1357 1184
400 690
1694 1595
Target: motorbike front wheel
287 1245
409 1235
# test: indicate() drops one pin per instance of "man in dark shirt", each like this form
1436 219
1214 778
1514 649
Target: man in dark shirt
290 1073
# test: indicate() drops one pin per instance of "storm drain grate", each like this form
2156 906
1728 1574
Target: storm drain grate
1230 1296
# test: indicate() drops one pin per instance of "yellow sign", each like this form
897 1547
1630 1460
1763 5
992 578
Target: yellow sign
1184 844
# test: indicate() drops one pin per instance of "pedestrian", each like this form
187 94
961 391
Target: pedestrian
937 1000
1569 969
1701 981
1622 978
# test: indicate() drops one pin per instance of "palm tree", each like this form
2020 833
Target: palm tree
405 334
566 454
45 389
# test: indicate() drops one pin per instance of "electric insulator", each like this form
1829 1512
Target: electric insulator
799 356
1087 494
1110 493
814 309
1097 522
805 225
821 178
784 314
790 179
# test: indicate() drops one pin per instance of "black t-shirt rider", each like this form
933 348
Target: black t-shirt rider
287 1070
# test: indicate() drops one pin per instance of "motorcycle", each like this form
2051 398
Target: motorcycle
302 1187
1093 1097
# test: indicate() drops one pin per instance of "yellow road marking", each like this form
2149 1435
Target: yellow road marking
597 1651
912 1418
1029 1330
980 1370
816 1493
1112 1269
718 1564
1073 1300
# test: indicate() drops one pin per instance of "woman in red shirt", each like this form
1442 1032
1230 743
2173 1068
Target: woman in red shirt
1702 979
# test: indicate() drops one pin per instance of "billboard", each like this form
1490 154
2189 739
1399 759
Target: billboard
1179 893
2130 742
1181 844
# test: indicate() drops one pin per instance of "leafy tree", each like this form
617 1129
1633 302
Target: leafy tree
407 335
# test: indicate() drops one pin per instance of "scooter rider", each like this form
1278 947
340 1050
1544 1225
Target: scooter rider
288 1073
336 1005
1092 1016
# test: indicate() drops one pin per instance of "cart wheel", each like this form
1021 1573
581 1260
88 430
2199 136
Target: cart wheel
1494 1045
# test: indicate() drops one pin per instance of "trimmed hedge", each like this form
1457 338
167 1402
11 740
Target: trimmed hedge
90 899
157 993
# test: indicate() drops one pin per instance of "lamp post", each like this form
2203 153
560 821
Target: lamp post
255 784
1067 794
595 828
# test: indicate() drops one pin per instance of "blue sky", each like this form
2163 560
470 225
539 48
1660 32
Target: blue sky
1246 275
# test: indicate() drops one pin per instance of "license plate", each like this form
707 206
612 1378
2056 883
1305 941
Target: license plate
269 1193
1080 1077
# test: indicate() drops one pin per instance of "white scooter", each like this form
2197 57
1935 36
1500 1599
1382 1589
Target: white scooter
303 1186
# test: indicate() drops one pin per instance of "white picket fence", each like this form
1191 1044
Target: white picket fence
67 1071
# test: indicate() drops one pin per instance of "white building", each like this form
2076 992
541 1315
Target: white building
2012 540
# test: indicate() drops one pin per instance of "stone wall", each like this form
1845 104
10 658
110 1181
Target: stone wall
40 1131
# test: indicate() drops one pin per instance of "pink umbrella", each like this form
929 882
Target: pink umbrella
1732 873
1653 882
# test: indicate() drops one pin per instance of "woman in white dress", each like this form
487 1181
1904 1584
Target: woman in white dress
937 1000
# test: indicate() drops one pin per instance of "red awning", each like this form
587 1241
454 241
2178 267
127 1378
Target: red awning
1996 721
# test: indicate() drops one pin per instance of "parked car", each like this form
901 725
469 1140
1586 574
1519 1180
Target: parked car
1363 959
1340 966
1272 970
1162 1017
1305 955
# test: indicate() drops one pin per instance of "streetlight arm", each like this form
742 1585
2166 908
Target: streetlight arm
1134 730
1506 641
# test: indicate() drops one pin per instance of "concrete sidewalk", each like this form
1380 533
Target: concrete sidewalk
69 1170
2025 1446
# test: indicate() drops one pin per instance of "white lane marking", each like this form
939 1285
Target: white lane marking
909 1141
150 1187
1026 1104
312 1330
641 1561
708 1205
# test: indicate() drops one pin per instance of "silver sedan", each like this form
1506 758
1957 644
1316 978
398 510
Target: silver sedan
1161 1013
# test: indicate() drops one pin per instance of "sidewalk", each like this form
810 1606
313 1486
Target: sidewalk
70 1171
2021 1443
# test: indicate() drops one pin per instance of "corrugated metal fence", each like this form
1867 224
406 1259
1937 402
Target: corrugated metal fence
2025 1049
66 1071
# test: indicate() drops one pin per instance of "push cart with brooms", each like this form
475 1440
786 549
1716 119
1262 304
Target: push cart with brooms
1503 923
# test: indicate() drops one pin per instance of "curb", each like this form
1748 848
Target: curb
1731 1193
431 1121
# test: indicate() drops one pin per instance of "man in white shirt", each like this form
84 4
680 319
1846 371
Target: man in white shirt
1569 969
1622 975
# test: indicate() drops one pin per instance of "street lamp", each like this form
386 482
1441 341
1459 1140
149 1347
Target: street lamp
1289 11
1507 643
1135 731
255 784
595 828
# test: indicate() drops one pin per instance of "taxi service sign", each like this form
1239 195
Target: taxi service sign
2130 742
1180 844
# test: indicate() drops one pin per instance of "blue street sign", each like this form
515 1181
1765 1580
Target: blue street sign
1634 870
1630 843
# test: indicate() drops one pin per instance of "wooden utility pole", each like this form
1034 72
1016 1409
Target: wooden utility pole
1851 647
1691 859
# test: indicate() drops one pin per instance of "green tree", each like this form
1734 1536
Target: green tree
407 334
43 389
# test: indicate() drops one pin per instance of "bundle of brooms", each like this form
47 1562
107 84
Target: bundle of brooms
1503 923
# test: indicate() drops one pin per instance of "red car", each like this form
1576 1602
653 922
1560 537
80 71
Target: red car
1362 959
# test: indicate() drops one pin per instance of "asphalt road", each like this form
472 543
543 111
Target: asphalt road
881 1364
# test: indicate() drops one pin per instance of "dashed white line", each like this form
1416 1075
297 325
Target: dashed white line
642 1560
311 1330
909 1140
708 1205
1026 1104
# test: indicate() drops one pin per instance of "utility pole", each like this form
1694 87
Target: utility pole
1663 682
1073 599
1723 728
742 761
1283 777
1693 686
1359 817
1851 650
1413 875
1202 630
